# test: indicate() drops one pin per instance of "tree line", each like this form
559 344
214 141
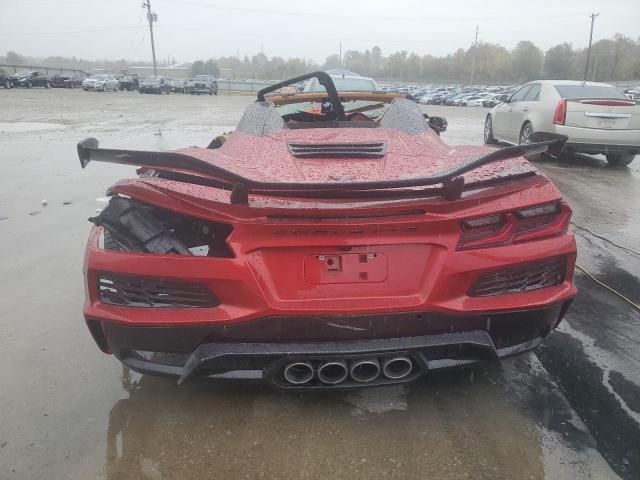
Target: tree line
616 58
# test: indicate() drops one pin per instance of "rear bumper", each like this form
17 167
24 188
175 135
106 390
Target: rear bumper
248 352
602 148
594 140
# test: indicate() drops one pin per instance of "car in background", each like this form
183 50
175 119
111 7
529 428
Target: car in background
101 82
598 118
128 82
477 102
495 100
347 81
30 78
65 81
5 79
158 85
202 84
177 85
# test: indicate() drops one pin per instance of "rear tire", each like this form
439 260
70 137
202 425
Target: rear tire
488 131
524 139
620 160
7 83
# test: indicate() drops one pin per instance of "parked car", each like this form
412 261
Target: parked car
495 100
101 82
597 117
346 81
128 82
30 78
280 255
65 81
477 101
177 85
202 84
157 85
5 79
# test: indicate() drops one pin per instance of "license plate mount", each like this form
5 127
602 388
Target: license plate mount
370 267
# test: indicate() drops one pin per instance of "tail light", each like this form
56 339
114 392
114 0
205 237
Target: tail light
560 115
513 227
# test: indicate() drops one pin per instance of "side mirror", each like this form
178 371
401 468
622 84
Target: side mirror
438 124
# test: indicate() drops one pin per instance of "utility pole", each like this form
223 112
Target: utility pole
340 56
586 68
473 59
152 17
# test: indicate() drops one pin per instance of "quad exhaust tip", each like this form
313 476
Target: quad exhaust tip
364 371
298 373
396 368
333 372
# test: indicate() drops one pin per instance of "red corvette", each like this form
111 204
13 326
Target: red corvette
331 241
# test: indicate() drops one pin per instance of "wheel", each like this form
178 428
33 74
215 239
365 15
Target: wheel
525 134
488 131
525 139
47 85
620 160
7 83
29 85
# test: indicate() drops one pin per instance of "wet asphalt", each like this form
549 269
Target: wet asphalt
569 410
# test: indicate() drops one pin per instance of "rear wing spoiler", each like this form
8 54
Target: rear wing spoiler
452 180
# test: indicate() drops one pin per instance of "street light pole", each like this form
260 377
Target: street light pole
586 68
151 17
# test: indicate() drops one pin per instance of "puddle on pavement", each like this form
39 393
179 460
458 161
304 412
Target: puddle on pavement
448 426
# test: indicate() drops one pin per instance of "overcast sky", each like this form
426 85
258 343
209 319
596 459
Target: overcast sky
192 29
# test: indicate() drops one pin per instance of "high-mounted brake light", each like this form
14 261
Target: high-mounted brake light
560 115
518 226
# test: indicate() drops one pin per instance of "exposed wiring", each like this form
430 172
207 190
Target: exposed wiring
615 292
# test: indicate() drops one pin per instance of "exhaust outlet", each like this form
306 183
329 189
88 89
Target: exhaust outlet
298 373
397 368
364 371
333 372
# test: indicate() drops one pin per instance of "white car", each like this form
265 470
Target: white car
345 81
101 82
477 102
597 117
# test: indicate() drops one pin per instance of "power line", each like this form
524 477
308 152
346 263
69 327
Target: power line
65 32
323 14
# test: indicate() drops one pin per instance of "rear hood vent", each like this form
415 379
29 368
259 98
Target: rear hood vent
352 150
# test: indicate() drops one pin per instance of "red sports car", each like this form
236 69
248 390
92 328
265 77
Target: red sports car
331 241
